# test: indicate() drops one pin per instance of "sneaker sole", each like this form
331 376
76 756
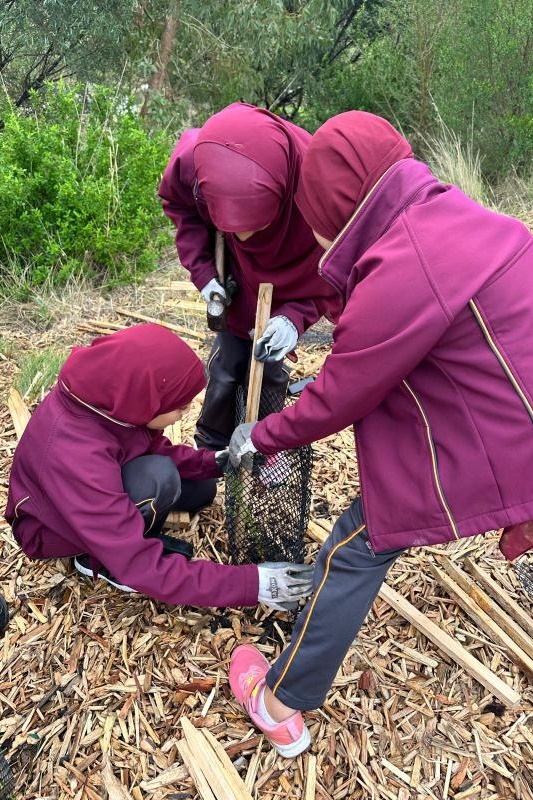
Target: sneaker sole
89 574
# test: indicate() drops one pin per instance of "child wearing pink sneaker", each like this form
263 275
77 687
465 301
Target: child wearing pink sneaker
431 362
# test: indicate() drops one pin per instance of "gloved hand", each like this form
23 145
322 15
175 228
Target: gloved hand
241 447
221 459
280 337
213 287
282 584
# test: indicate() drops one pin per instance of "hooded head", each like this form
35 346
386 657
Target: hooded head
346 158
136 374
244 167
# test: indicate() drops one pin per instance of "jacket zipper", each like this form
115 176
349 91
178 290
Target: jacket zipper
494 347
433 452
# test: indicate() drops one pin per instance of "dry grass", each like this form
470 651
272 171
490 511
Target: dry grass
455 161
87 671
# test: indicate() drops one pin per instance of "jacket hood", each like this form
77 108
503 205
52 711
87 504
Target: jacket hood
346 157
134 375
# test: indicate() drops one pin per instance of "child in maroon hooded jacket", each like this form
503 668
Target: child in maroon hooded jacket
94 477
431 363
239 174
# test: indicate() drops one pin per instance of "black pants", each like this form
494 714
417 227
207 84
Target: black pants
153 483
4 614
227 370
347 579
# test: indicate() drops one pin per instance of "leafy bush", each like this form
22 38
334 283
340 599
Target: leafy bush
78 190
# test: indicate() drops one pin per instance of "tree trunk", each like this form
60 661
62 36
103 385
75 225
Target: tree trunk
168 37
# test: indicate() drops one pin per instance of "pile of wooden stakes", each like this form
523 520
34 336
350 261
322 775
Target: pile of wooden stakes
488 604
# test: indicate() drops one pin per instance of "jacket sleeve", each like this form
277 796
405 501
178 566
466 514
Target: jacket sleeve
195 238
110 528
391 321
192 464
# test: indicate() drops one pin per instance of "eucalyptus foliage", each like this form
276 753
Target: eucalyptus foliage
466 62
43 40
267 52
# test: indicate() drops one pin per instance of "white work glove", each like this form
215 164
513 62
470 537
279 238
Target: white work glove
211 288
282 584
241 447
280 337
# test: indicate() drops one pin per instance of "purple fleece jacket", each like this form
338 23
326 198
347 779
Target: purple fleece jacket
432 361
66 497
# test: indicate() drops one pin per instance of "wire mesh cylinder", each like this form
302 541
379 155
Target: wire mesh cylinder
7 781
267 508
524 572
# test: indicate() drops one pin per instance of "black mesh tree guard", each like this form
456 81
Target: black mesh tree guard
7 781
524 571
267 508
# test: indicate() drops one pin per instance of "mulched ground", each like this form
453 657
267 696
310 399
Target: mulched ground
89 676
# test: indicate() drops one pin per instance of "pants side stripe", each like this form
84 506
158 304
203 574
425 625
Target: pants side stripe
313 603
150 500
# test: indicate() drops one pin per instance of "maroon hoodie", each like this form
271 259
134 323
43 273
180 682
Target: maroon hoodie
65 493
239 172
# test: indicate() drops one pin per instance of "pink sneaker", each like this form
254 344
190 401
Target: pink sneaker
247 678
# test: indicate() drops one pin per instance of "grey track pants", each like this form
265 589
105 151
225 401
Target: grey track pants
348 576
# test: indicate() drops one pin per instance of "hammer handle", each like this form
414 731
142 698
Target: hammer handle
219 256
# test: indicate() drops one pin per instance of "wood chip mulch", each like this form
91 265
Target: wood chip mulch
97 688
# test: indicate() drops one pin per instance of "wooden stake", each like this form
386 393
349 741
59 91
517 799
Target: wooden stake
200 781
438 636
219 256
499 594
125 312
452 648
19 411
237 784
509 625
225 783
262 315
460 587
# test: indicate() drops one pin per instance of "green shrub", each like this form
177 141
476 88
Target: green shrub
78 190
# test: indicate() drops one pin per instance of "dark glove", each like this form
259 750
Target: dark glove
280 337
222 459
230 285
282 584
241 447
